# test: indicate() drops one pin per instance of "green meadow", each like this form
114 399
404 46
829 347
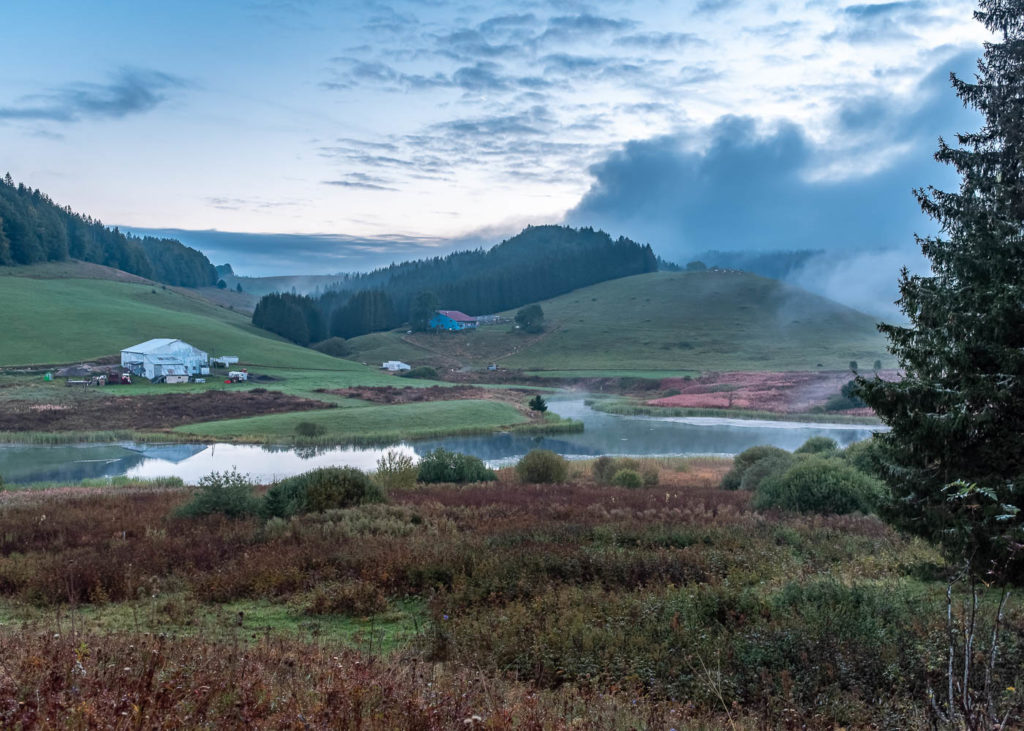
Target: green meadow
659 325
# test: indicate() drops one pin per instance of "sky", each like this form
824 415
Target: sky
365 131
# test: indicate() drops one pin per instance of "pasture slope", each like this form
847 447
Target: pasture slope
660 323
67 313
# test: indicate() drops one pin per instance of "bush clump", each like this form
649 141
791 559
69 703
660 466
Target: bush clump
866 456
308 429
542 466
628 478
426 372
603 469
322 489
396 471
818 445
741 463
764 468
444 466
649 474
816 484
227 493
335 346
355 598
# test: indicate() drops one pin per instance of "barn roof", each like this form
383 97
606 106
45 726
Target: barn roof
151 345
456 315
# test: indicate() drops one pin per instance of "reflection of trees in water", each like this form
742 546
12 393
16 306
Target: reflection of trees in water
74 471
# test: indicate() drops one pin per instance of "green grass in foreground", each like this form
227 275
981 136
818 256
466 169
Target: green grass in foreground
369 423
242 619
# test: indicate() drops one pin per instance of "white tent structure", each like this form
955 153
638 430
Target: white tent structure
165 358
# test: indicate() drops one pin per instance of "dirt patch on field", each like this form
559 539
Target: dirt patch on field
149 412
409 394
792 392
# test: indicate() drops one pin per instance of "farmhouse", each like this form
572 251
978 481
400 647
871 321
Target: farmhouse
452 320
165 359
395 365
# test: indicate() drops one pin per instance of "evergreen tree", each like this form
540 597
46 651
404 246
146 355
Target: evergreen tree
956 450
423 308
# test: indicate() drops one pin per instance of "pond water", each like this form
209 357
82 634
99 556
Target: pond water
603 434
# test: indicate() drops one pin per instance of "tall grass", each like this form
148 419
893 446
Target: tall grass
630 409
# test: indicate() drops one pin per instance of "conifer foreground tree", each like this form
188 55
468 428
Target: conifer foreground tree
956 450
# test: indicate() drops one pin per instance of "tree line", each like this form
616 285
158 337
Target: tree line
539 263
34 229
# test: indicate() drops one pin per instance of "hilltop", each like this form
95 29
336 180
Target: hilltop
669 322
72 311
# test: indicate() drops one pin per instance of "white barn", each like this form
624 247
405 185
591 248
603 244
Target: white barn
395 365
165 358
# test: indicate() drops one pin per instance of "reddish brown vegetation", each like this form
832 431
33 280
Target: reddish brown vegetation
51 680
792 392
148 412
412 394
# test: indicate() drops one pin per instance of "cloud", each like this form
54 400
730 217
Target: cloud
881 22
758 189
660 41
129 91
361 181
710 7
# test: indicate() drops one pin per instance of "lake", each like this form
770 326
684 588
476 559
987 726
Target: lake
604 434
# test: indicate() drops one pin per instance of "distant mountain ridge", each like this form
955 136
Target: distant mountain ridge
539 263
34 229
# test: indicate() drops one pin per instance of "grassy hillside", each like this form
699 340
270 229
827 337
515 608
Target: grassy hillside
662 322
53 316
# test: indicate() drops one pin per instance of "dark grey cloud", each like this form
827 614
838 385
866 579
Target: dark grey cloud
757 190
129 91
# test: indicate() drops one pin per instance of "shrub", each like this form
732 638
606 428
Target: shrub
227 493
309 429
628 478
444 466
355 598
742 461
319 490
774 464
603 469
542 466
817 445
866 456
336 347
420 372
649 474
817 484
537 403
396 471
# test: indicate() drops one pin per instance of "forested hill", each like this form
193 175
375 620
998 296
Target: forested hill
34 229
539 263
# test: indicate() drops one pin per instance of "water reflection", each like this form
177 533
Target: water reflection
604 434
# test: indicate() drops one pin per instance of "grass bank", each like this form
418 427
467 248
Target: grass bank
627 408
